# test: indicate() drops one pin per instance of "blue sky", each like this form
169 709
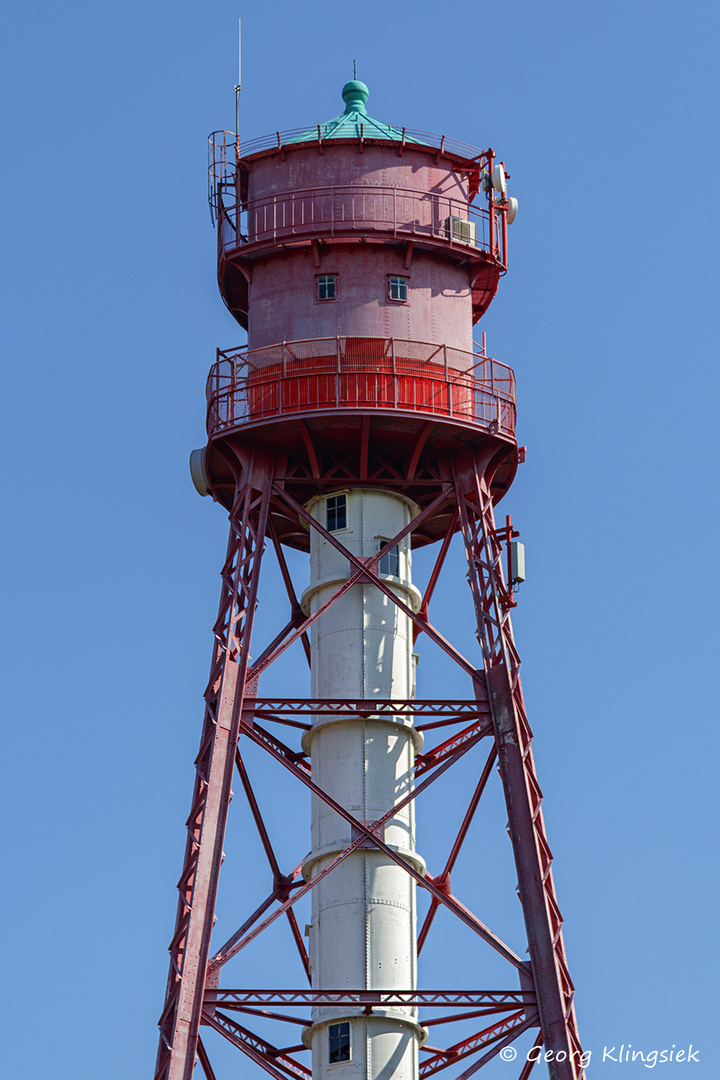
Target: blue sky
606 117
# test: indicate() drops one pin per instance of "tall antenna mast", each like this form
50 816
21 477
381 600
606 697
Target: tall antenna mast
237 91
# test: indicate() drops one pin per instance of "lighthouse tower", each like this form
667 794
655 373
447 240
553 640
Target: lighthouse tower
359 424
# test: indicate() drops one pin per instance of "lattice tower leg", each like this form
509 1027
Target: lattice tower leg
523 797
189 948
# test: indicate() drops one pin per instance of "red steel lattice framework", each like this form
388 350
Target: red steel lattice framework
496 713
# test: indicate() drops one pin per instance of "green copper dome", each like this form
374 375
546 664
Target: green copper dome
348 125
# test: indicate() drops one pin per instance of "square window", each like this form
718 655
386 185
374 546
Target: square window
326 287
335 512
339 1043
390 562
398 287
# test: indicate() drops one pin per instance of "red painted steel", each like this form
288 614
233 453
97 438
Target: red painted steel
442 1059
338 211
223 149
180 1021
416 203
490 588
338 410
306 377
513 739
497 999
455 850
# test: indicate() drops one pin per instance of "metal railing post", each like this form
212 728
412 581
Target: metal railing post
448 382
337 374
281 394
491 211
395 379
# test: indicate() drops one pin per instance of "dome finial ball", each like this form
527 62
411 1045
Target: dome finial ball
355 94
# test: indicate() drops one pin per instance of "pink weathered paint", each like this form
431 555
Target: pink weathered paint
284 304
393 165
283 300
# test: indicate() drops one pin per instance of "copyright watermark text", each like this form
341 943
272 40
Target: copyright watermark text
619 1054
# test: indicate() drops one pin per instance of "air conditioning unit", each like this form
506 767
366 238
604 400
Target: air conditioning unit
459 229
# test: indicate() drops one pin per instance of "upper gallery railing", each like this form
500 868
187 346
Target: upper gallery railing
225 149
339 210
342 209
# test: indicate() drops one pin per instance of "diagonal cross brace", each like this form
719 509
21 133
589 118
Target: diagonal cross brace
242 1044
365 572
368 832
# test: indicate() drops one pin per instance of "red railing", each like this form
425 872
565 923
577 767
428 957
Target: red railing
223 148
330 211
298 377
221 167
339 210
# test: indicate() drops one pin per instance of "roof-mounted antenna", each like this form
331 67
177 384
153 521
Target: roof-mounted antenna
237 92
354 69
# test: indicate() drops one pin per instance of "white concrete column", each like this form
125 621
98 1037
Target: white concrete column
363 930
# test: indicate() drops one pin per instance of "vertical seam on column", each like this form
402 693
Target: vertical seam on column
363 651
363 594
364 857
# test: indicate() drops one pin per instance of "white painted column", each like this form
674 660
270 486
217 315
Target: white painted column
363 931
